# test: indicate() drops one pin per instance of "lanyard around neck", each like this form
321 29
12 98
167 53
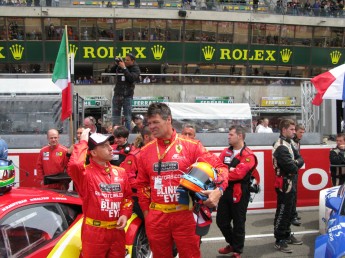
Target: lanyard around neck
161 157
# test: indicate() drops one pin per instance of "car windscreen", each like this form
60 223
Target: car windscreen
24 230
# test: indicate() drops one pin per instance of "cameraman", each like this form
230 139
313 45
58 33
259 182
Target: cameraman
232 207
127 73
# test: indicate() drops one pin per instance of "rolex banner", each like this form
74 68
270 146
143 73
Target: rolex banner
86 51
62 77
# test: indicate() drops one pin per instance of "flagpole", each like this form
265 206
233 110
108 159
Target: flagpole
71 134
76 99
342 130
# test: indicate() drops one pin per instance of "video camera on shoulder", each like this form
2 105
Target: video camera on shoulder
118 59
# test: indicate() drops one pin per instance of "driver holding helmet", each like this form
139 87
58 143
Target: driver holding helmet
161 164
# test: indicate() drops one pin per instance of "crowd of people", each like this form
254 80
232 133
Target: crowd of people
325 8
149 171
85 80
145 177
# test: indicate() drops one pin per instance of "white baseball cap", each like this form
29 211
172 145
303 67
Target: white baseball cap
96 139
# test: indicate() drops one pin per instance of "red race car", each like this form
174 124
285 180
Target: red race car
44 223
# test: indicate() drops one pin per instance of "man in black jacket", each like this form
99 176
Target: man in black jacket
337 160
286 162
296 141
127 73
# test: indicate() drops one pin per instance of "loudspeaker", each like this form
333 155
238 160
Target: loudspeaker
182 13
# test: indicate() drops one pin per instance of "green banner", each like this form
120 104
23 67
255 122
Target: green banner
221 99
173 52
96 101
146 101
92 103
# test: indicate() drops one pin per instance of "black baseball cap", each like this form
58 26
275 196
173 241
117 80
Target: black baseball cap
96 139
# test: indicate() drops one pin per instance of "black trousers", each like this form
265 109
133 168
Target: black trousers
337 176
294 213
282 219
231 217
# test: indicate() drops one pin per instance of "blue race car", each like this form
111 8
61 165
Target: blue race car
332 227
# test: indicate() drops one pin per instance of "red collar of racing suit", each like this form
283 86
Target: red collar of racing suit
167 142
105 169
53 147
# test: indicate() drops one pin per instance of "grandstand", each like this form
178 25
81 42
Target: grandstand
254 40
264 44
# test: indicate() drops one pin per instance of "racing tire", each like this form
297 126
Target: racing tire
141 247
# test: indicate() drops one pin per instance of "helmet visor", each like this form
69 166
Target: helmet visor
7 174
199 174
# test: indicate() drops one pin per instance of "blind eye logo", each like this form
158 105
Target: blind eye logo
285 54
17 51
157 51
335 56
208 52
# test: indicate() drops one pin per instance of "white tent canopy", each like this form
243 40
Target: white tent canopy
28 86
210 110
211 117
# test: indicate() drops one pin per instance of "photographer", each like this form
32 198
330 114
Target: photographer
127 73
232 207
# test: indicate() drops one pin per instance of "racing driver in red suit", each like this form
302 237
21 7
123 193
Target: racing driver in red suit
52 160
161 164
106 195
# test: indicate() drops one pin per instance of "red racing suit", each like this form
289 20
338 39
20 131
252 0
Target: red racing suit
167 220
52 160
127 159
106 195
241 170
232 207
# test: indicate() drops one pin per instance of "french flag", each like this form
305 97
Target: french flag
329 85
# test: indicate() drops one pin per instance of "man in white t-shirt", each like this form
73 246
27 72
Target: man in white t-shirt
147 79
264 127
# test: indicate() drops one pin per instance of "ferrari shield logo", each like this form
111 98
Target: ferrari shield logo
178 148
115 172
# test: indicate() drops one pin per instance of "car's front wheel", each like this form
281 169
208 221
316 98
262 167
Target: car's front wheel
141 247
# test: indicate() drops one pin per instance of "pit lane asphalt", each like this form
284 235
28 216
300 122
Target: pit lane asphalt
259 236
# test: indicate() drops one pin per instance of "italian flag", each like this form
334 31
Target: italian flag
62 77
